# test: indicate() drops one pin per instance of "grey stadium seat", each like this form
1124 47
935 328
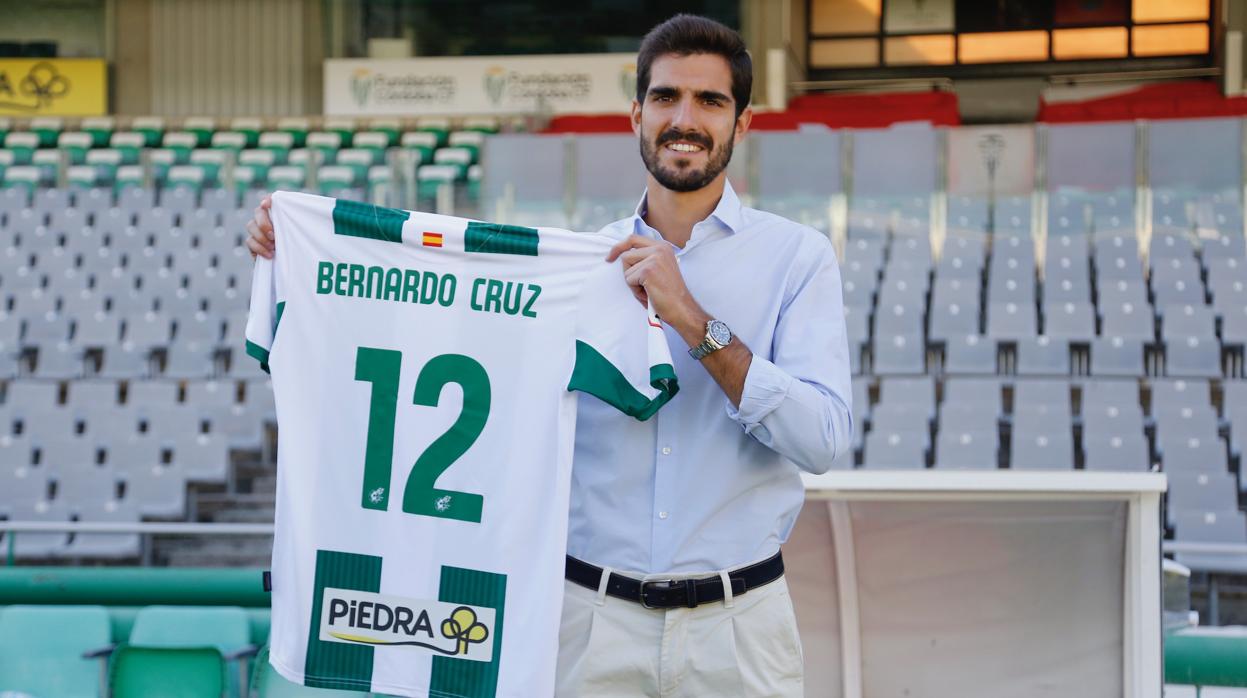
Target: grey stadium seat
1179 392
1119 418
1067 291
918 391
1194 454
1118 452
1211 527
1201 491
1041 392
969 450
895 451
1127 320
953 319
1042 451
1181 321
1117 356
1011 320
1042 356
1073 321
106 545
982 392
900 417
37 545
969 417
897 354
970 354
1193 357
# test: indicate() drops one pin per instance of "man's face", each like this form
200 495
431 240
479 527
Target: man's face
688 125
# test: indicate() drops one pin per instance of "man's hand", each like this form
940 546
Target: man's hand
260 238
651 270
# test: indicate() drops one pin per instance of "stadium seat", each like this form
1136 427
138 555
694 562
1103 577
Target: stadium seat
1042 355
225 629
1125 452
1117 356
1227 526
970 354
895 450
41 649
188 672
902 354
267 683
970 450
1050 450
37 545
114 546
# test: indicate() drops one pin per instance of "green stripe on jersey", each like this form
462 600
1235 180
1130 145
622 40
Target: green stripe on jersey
596 375
500 239
337 664
368 221
456 677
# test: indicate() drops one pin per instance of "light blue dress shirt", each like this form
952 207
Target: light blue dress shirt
703 486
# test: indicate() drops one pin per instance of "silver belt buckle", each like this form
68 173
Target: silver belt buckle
645 584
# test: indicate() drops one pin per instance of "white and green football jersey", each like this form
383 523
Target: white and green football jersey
423 368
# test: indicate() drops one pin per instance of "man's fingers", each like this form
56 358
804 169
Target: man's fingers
635 256
263 221
257 249
628 243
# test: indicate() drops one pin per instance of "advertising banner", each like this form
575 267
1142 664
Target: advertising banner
561 84
33 87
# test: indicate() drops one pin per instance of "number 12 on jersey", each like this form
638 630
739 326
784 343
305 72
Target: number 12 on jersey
380 367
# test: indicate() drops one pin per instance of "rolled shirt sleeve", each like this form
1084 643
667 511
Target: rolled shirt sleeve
799 402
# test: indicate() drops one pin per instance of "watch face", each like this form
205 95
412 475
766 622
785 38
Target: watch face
719 332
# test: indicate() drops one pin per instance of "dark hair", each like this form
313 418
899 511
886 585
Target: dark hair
687 35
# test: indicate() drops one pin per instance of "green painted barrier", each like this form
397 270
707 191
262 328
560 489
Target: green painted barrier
1207 657
133 586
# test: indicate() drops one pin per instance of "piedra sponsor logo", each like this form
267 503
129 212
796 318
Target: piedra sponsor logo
429 627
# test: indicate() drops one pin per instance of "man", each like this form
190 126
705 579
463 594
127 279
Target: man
675 584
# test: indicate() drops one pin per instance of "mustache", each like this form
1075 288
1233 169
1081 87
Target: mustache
672 135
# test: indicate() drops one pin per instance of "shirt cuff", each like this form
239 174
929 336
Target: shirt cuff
766 387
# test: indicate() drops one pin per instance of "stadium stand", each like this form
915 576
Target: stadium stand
1086 325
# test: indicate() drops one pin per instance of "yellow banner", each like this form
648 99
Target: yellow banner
53 87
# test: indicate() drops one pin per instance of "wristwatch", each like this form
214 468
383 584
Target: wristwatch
717 336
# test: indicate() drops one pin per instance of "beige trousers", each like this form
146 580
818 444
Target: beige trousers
747 647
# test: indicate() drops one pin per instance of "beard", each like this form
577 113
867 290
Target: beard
683 177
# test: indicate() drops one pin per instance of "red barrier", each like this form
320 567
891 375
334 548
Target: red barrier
1168 100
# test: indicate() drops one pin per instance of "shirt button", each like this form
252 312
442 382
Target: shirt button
662 514
666 450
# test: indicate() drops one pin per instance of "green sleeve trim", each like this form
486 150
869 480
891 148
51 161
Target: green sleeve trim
596 375
258 353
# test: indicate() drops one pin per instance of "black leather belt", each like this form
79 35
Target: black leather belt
676 593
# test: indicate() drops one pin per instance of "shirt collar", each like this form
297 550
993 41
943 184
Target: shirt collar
728 212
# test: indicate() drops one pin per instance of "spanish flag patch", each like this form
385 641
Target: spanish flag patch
431 239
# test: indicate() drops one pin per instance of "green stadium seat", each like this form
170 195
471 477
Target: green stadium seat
457 157
290 177
280 142
191 672
227 629
42 648
7 159
297 127
101 129
257 162
129 176
76 143
230 140
330 178
392 129
48 162
130 144
23 145
203 127
345 128
439 127
48 129
105 162
358 159
189 176
421 142
23 176
326 143
374 141
250 127
471 140
6 125
380 180
181 143
84 177
152 128
267 683
211 162
160 160
430 178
